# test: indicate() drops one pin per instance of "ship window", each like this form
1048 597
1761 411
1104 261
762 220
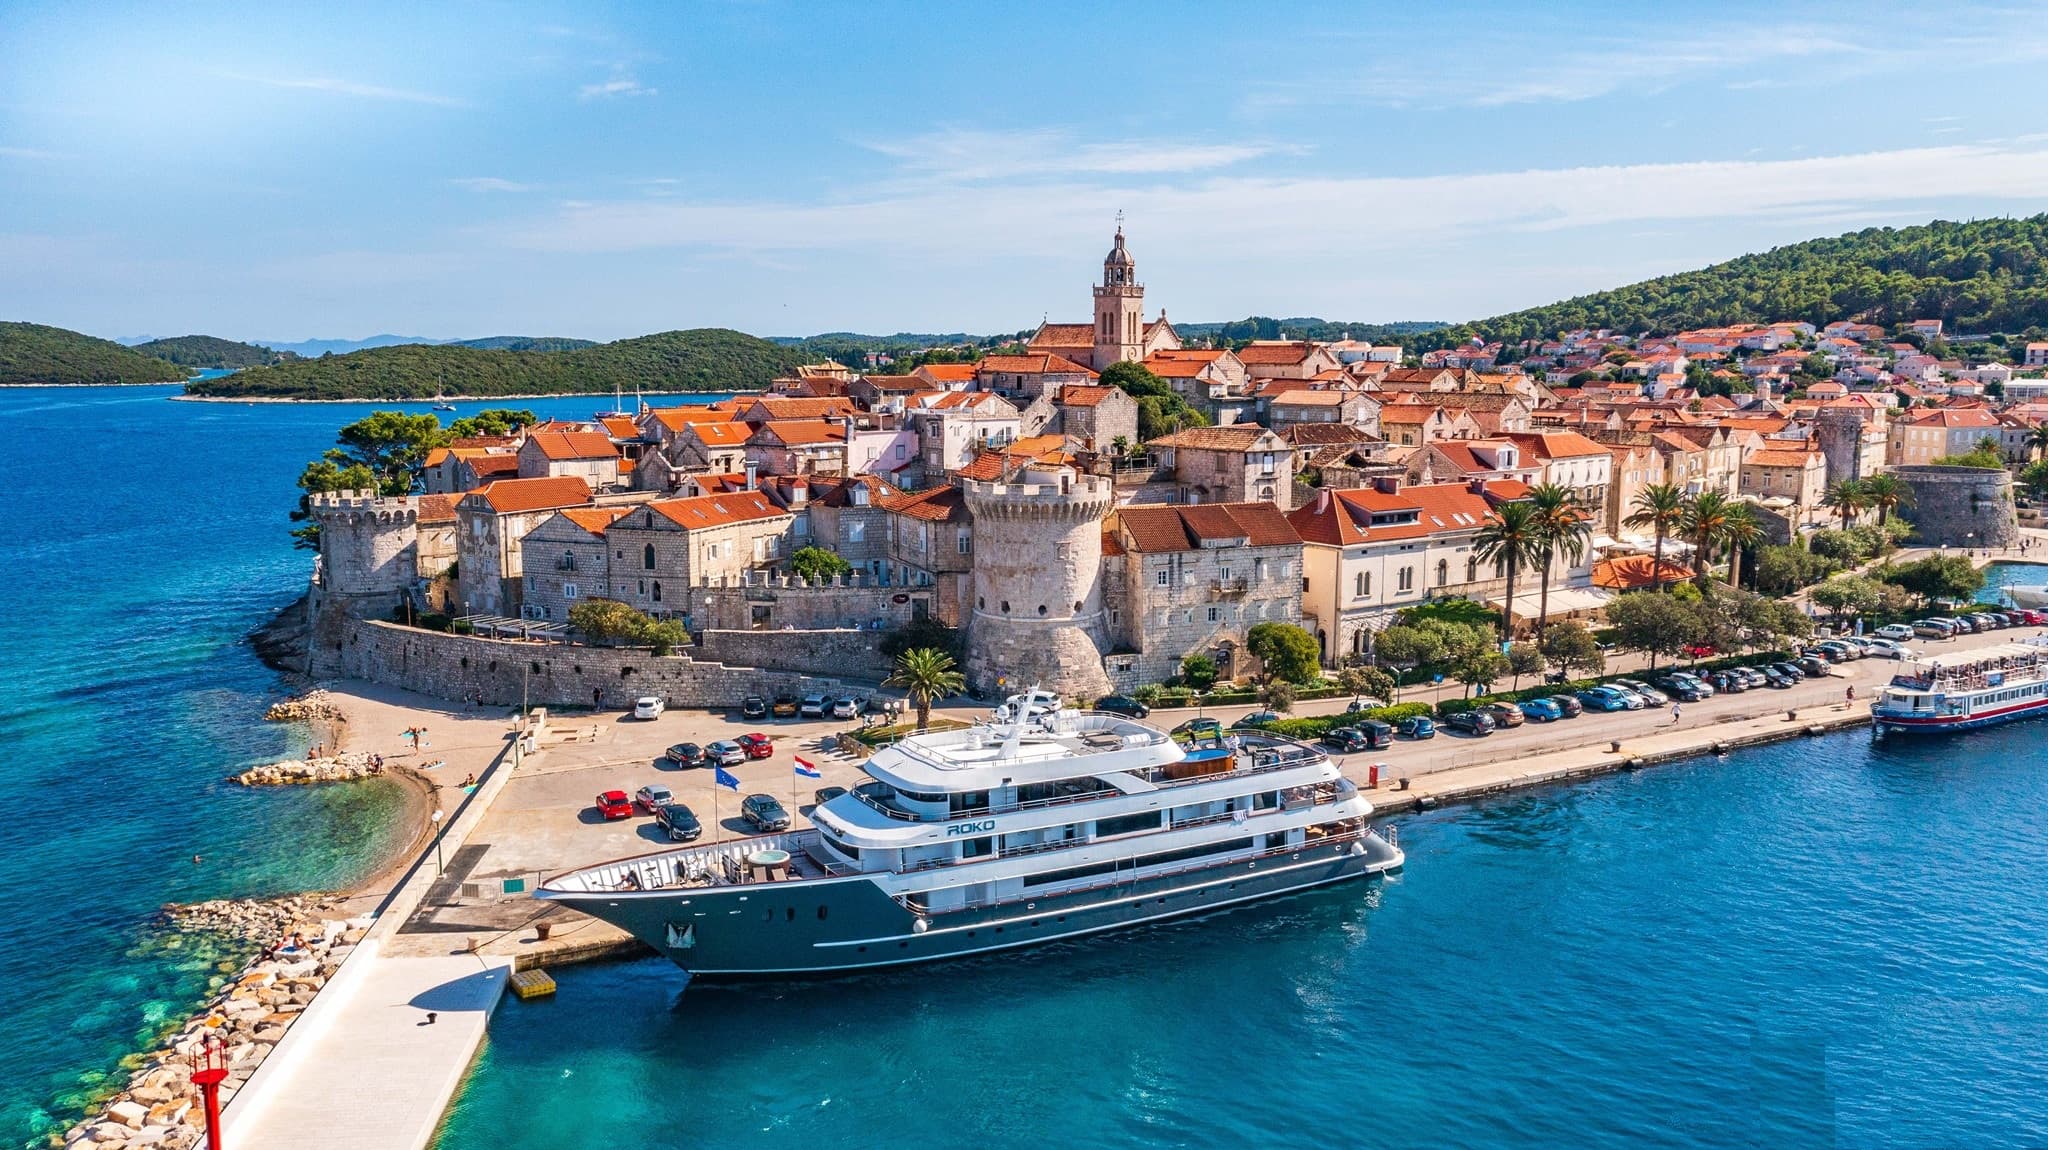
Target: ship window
821 912
789 914
1265 800
965 801
1144 821
977 848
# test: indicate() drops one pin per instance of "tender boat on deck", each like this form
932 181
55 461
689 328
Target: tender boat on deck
1002 835
1967 689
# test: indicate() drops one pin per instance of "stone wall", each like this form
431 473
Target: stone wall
1960 506
458 667
761 601
849 652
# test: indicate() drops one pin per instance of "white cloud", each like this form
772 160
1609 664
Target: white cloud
489 184
970 155
28 153
616 86
340 87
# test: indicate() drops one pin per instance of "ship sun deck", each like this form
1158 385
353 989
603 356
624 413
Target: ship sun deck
732 863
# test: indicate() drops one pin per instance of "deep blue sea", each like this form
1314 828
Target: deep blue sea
143 539
1821 943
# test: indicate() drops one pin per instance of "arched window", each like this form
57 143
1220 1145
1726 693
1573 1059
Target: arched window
1443 572
647 557
657 590
1472 569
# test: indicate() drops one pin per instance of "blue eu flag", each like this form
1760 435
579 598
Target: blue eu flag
725 778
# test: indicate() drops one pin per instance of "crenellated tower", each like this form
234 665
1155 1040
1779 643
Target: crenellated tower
369 548
1037 615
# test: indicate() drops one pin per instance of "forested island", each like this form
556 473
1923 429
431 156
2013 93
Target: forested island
206 351
33 353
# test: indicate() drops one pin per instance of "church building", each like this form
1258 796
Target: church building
1119 332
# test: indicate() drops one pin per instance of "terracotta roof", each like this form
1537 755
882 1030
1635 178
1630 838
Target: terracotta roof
937 505
1554 444
1041 363
778 407
507 496
1077 395
1185 527
571 445
437 508
1305 398
1409 413
677 418
620 427
948 372
892 382
1064 335
1274 353
595 520
802 432
1953 417
1631 572
1343 517
1111 544
721 510
485 465
1235 437
834 491
718 434
1303 434
1781 457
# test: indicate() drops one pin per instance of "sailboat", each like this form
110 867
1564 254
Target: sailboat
440 400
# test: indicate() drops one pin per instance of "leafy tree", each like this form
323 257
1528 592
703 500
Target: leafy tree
1359 680
1848 500
1570 647
2034 478
1848 595
1467 611
1782 569
1654 624
1949 577
926 674
1887 493
608 620
1161 410
1509 539
1980 456
925 632
1563 527
1287 651
390 445
1198 672
1661 508
1276 695
815 563
31 353
665 636
1480 669
492 421
1524 659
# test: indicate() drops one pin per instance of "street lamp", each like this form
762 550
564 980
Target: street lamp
209 1070
437 817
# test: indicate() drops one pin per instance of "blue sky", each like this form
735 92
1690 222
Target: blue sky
268 172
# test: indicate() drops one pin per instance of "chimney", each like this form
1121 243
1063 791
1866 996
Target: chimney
849 429
1386 484
1322 503
1477 485
753 470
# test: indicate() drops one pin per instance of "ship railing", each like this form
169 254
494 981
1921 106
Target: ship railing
1359 833
711 864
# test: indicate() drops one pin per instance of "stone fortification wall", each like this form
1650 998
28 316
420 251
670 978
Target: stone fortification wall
849 652
762 602
458 667
366 542
1960 506
1037 615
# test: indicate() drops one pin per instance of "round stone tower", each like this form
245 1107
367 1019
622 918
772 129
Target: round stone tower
1960 506
1037 616
369 548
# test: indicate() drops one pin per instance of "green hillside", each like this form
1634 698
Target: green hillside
210 351
702 359
525 343
1983 275
31 353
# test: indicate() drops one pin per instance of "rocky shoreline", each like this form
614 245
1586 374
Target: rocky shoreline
250 1012
342 768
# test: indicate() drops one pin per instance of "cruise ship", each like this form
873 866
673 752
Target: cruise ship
1033 826
1969 689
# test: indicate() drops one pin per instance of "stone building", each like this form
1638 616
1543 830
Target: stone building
1854 436
931 544
660 548
565 559
1324 405
847 517
591 456
1037 617
1242 463
1026 377
491 523
1119 332
1188 580
1966 507
470 463
1795 471
1094 418
951 427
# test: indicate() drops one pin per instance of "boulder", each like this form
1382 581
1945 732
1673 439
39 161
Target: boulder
129 1114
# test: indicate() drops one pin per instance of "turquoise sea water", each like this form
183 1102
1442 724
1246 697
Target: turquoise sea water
1821 943
143 539
1998 576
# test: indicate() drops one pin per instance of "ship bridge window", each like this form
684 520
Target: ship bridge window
964 801
838 844
1126 824
977 848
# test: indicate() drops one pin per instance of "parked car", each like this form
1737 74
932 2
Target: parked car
1571 707
813 707
1789 670
1729 683
1773 677
652 797
1895 631
1750 675
1541 710
1255 720
614 805
1651 695
1504 715
679 821
1417 727
784 707
1962 623
685 755
756 745
763 813
648 707
1363 703
725 754
1379 735
1608 699
1933 629
753 707
1838 651
824 795
1346 740
1476 723
1886 649
2030 616
1122 705
1684 688
1987 621
846 708
1635 702
1814 668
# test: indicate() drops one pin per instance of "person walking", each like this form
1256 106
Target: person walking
1675 714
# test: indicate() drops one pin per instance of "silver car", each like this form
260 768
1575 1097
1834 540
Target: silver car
1650 695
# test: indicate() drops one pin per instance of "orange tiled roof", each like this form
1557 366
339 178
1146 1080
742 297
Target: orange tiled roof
1155 528
1345 517
1041 363
595 520
1079 395
572 445
1064 335
437 508
620 427
803 432
948 372
719 434
937 505
779 407
509 496
1234 437
723 510
1274 353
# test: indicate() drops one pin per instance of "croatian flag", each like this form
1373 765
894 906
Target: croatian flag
808 771
725 778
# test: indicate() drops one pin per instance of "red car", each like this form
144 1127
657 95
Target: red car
614 805
757 745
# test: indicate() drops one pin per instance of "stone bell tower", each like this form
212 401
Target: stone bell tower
1119 307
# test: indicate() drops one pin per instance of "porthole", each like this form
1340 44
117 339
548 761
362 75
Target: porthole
821 914
789 914
767 914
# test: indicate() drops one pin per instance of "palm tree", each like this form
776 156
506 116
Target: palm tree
1741 529
1508 540
1847 499
1661 508
926 673
1561 529
1886 493
1706 523
2037 440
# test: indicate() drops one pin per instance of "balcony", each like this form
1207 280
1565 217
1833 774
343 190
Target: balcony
1228 588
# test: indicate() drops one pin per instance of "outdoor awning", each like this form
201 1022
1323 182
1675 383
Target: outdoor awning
1563 601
